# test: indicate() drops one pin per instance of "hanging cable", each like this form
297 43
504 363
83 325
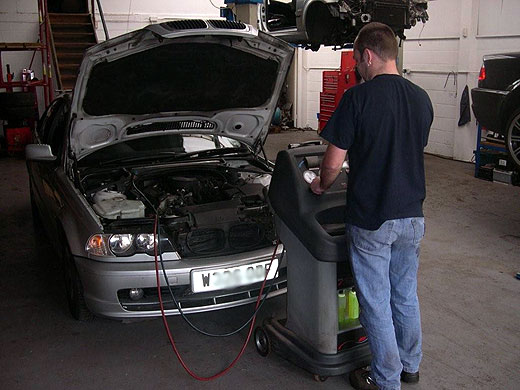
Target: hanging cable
163 268
181 312
170 337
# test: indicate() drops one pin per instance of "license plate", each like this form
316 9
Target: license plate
221 278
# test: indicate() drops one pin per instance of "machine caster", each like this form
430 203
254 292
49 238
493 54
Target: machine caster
320 378
262 342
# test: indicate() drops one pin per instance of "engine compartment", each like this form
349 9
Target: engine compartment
203 210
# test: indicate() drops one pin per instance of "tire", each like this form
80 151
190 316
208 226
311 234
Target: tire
17 105
262 341
16 99
74 289
513 137
14 113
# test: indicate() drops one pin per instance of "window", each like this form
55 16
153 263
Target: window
280 14
51 128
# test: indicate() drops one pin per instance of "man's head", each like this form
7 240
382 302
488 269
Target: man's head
375 50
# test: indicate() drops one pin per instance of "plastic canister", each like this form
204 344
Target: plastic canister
352 305
342 309
114 205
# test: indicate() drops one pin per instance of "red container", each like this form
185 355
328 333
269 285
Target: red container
347 61
330 80
17 138
335 83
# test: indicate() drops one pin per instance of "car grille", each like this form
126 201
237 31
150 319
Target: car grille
227 24
202 301
185 24
175 125
203 241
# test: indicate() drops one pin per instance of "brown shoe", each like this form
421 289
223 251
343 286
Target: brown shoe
360 380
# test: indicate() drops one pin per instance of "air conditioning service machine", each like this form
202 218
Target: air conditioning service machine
311 227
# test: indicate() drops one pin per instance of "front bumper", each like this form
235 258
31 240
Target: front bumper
105 285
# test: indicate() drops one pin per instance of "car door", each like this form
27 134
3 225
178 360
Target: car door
33 168
51 131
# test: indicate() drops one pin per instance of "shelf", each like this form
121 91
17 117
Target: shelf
21 46
23 84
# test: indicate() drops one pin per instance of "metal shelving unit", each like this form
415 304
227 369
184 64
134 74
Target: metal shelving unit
40 46
493 151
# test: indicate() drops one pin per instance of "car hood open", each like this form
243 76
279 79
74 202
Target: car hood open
191 76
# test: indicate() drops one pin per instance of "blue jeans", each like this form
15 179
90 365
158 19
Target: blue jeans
385 263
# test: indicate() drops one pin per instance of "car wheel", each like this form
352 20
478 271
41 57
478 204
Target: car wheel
74 289
513 137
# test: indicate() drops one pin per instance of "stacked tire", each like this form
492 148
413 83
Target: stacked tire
16 106
15 109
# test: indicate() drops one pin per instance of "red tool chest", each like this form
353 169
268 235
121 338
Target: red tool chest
334 85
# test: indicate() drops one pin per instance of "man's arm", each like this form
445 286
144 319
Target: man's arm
329 170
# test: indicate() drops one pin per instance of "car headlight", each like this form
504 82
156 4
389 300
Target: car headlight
121 244
124 244
97 245
145 242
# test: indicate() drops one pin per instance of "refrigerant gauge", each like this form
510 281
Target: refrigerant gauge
309 176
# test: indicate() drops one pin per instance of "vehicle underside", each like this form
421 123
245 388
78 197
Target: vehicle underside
337 23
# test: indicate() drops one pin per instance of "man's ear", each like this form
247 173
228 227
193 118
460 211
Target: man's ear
368 56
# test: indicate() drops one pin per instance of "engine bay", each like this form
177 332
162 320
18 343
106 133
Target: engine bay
203 210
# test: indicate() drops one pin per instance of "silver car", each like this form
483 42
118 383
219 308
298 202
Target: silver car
163 134
336 22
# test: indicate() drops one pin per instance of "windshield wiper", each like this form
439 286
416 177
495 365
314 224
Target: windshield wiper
212 152
136 158
173 156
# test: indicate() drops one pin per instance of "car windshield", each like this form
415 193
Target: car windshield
162 145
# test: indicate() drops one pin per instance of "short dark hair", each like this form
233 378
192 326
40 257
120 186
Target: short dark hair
379 38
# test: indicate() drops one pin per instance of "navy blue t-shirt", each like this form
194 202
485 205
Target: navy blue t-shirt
384 124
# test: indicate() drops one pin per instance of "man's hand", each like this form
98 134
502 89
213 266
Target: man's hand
330 168
316 186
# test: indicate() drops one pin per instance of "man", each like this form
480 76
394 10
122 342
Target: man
384 124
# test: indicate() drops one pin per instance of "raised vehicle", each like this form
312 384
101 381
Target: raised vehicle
336 22
496 100
159 149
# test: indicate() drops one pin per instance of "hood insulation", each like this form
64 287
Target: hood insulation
180 77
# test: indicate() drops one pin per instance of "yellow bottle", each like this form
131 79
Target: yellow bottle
342 309
352 305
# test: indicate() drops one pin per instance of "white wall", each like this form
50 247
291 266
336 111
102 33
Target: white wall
127 15
455 38
310 67
19 23
458 34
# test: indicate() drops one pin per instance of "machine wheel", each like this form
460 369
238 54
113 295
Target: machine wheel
262 342
320 378
513 137
74 289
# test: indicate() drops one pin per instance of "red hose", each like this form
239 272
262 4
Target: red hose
166 326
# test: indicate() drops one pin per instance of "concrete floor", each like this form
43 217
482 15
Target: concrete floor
470 304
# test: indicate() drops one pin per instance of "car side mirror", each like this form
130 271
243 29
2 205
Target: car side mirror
39 152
